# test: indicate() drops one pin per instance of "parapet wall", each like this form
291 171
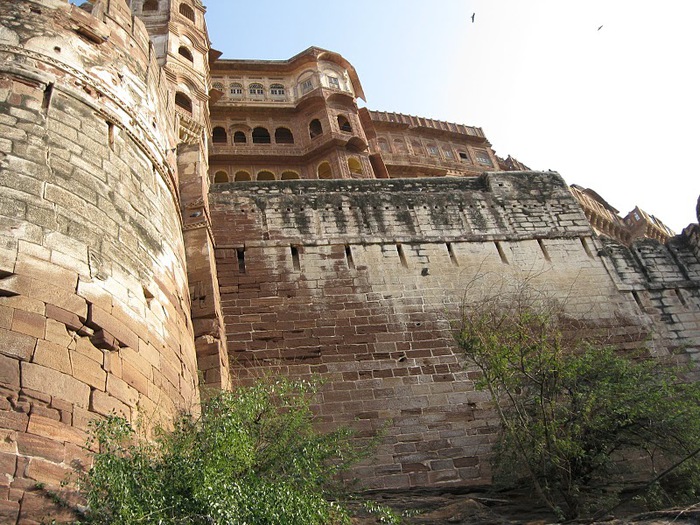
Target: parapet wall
358 281
94 305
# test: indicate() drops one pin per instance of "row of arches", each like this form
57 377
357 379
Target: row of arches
255 89
323 171
260 134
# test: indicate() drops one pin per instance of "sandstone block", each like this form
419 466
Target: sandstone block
13 420
52 356
9 371
104 404
88 370
55 383
55 430
49 449
17 345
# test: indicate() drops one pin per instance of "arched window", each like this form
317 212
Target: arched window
355 166
324 171
221 176
383 145
289 175
277 90
150 5
241 176
261 136
183 102
219 135
283 136
432 150
266 175
256 90
187 12
400 146
236 90
183 51
315 128
218 86
343 124
239 138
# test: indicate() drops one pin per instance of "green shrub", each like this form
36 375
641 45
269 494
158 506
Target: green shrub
579 420
251 457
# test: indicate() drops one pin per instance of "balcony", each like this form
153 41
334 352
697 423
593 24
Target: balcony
427 123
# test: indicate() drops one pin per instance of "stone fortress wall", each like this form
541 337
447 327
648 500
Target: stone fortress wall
94 302
124 276
357 282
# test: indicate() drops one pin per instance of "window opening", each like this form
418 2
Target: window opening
289 175
183 51
324 171
277 90
451 252
220 177
355 166
501 253
219 135
241 176
402 255
187 12
236 90
383 145
315 128
464 156
283 136
183 102
256 89
348 257
295 258
333 82
240 254
239 138
261 136
266 175
482 157
110 135
150 5
307 86
344 124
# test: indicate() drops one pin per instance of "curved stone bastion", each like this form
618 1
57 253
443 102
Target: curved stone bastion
94 305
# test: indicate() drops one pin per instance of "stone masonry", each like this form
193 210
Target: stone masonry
168 219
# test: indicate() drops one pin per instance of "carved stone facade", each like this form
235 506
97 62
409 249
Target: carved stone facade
168 216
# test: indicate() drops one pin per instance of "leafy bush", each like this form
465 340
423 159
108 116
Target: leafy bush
251 457
577 418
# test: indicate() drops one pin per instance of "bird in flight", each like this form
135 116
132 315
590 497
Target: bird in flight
601 27
474 14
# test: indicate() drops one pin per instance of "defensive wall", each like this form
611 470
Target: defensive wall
357 282
94 305
104 307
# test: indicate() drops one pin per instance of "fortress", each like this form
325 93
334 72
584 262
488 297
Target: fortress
171 218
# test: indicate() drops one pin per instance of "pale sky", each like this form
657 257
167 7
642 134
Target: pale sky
615 109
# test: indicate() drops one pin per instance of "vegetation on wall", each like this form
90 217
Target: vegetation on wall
251 457
580 422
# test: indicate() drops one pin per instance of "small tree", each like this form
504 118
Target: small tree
573 413
251 457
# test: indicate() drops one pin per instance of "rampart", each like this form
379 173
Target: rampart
357 282
94 305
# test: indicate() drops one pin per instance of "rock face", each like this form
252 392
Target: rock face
94 305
